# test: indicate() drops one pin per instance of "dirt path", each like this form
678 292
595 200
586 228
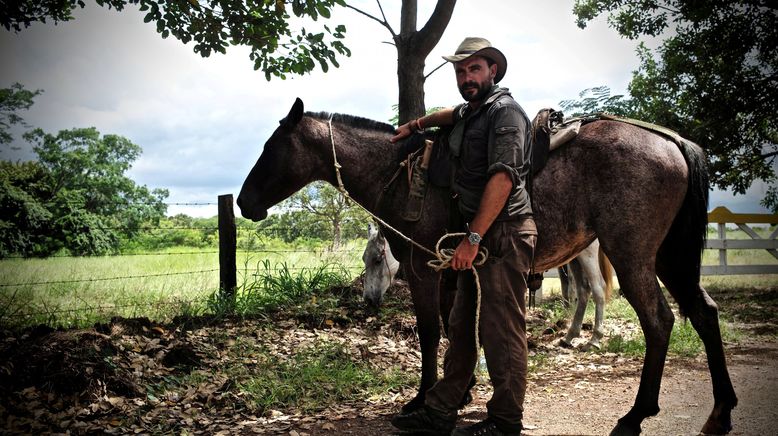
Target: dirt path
588 399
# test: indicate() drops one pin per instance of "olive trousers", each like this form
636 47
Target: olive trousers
502 326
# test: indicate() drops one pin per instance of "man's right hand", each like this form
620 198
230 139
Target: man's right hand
402 132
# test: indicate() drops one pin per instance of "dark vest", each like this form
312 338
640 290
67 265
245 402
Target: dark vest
472 141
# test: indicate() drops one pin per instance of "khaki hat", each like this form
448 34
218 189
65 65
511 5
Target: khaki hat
480 47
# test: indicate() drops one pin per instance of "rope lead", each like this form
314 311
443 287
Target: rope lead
442 257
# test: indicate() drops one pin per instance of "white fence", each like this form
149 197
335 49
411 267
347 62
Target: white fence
722 216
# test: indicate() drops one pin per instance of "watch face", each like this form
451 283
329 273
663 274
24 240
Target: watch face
474 238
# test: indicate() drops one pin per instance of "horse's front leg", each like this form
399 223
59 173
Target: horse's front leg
423 283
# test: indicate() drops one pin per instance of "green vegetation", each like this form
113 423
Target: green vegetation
725 56
166 283
313 379
75 197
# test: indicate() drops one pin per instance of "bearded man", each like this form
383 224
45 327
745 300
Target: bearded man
490 152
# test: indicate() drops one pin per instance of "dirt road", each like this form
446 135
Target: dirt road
587 399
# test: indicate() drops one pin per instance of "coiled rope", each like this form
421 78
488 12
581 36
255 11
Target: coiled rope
442 257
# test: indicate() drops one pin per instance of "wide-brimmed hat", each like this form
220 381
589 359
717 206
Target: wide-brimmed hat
480 47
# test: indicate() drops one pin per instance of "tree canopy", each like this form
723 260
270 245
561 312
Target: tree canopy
714 78
265 26
76 196
320 210
12 100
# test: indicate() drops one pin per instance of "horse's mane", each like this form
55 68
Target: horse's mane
353 121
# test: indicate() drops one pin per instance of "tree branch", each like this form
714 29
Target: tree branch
378 20
429 35
668 9
436 69
769 155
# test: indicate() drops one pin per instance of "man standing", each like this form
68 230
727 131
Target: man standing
490 150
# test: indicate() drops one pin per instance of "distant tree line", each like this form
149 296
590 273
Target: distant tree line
76 198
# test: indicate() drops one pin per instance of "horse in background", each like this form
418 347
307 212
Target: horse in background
590 273
380 266
640 190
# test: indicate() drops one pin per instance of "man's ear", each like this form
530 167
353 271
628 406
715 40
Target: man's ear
493 71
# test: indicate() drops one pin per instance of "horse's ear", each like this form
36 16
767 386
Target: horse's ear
294 116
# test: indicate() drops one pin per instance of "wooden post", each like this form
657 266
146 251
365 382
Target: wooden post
227 246
723 250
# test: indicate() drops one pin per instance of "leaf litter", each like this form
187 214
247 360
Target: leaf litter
134 376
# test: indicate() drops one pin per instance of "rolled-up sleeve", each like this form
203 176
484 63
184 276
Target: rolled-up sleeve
506 141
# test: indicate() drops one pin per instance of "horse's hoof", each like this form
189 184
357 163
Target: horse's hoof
589 346
622 429
720 419
715 428
564 344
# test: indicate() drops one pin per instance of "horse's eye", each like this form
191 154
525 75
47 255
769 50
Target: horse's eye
378 260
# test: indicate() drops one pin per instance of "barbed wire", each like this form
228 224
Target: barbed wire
302 268
102 279
104 308
135 203
179 253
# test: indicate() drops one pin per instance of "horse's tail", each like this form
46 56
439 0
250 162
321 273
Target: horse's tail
606 268
681 250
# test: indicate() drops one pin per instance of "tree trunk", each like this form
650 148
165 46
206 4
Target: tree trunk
336 232
412 49
410 79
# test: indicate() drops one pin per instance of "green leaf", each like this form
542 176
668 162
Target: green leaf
323 10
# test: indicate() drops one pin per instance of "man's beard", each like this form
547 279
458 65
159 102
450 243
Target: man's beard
483 89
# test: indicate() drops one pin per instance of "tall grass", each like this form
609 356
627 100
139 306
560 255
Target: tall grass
79 291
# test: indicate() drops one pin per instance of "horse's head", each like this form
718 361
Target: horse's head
380 267
287 163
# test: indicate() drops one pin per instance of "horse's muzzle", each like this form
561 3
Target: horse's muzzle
250 213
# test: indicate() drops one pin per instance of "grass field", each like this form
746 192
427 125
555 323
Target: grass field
72 292
76 292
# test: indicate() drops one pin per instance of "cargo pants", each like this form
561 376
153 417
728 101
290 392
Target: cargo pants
503 279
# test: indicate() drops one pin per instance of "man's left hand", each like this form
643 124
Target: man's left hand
464 255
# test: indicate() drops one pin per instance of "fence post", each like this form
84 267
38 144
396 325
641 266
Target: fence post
227 246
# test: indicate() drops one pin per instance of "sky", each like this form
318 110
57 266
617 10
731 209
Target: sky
202 121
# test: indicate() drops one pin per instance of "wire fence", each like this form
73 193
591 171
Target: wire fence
90 291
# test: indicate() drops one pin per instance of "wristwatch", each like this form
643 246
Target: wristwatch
473 237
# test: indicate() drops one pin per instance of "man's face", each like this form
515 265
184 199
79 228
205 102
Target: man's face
474 78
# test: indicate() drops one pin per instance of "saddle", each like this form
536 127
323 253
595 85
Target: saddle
549 132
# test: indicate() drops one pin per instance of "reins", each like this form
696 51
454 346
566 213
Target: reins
345 193
442 257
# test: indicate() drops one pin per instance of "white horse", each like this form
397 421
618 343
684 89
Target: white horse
380 266
590 273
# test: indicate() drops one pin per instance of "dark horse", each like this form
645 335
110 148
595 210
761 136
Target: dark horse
644 196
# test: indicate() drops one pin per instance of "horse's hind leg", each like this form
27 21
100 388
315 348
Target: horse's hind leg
582 297
586 278
598 294
696 304
640 287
